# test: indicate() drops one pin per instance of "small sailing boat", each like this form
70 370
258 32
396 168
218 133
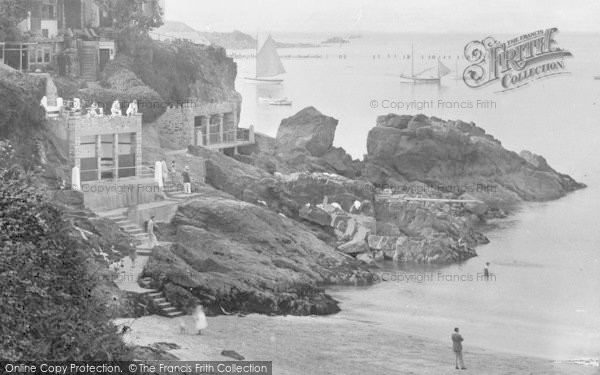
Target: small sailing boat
275 101
268 63
427 75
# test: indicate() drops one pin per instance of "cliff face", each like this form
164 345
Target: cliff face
235 256
457 157
180 70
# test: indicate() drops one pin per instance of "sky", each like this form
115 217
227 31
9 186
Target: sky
415 16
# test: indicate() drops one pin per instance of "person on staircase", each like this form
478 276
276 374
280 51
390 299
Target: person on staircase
132 255
187 182
151 236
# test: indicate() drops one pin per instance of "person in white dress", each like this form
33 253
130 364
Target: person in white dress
201 322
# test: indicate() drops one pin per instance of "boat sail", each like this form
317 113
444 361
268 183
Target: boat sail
422 77
268 63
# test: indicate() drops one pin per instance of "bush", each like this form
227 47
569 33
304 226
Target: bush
173 68
68 88
181 298
20 96
47 310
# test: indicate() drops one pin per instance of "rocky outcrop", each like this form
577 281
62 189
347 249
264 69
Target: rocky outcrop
315 215
282 193
308 130
424 232
304 143
459 156
236 256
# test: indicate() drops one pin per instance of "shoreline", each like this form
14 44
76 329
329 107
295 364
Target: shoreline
331 345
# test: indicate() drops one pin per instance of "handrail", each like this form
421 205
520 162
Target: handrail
112 169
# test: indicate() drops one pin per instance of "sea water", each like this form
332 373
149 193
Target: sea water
543 298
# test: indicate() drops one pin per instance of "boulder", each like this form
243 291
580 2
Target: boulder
366 258
393 120
386 243
147 353
358 242
315 215
478 209
308 130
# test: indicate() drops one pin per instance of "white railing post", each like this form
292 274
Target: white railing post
158 174
75 179
251 134
221 118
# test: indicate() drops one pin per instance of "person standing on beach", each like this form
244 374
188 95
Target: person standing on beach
457 347
201 322
486 271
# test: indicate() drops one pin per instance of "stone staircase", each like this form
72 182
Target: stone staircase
89 63
139 236
160 300
141 241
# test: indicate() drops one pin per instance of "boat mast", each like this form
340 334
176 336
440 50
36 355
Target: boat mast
412 60
256 55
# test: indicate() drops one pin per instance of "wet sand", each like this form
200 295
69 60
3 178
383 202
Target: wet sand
329 345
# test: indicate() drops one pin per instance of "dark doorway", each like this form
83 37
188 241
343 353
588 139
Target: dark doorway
104 57
25 60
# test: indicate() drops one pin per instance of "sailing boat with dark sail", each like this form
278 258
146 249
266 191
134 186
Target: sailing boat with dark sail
268 63
428 75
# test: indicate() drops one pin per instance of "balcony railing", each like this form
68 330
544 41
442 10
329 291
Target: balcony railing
230 138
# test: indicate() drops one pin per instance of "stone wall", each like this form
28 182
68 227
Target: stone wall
83 125
176 125
109 195
173 128
161 212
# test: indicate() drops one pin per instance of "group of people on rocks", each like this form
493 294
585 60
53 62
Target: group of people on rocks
171 175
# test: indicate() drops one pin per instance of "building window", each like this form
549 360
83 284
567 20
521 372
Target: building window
47 54
48 12
40 55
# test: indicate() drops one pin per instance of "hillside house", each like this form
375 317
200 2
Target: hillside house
69 37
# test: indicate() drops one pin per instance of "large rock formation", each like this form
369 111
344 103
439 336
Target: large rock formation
282 193
308 130
290 195
235 256
457 157
304 143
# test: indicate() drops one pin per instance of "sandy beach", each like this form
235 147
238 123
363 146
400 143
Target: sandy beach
321 346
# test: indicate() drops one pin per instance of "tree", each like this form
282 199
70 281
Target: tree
11 13
132 21
141 15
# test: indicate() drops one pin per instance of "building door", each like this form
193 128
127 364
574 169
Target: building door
107 158
25 60
104 57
